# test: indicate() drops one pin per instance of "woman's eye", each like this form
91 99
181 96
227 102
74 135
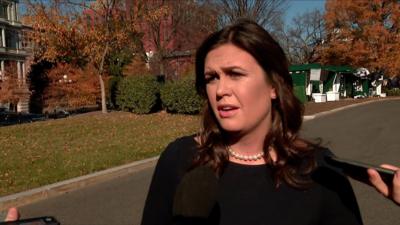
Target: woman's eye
235 74
210 79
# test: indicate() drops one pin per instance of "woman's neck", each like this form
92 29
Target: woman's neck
249 146
246 144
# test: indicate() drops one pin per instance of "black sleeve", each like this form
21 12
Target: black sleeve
339 204
169 169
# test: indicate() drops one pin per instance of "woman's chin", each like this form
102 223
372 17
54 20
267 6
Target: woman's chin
231 128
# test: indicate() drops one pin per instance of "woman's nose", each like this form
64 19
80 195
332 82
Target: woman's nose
223 87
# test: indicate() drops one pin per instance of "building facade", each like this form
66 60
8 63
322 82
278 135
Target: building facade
14 54
173 37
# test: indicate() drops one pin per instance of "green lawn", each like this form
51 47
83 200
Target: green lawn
41 153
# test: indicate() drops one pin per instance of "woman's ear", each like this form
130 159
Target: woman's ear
272 93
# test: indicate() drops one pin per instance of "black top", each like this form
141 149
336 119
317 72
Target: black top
247 194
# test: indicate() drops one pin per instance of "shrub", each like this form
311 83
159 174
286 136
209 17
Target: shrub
181 97
393 92
138 94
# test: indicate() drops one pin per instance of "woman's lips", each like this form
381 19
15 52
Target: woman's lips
227 111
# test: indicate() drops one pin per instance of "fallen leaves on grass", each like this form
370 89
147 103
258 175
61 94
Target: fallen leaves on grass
46 152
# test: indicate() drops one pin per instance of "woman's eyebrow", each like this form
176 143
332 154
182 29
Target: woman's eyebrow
209 72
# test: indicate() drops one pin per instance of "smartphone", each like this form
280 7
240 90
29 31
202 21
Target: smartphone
46 220
358 170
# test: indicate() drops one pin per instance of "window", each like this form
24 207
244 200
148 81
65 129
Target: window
11 39
1 37
3 11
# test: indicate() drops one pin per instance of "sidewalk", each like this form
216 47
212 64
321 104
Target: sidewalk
312 110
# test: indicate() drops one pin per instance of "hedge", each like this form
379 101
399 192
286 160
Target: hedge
393 92
138 94
180 96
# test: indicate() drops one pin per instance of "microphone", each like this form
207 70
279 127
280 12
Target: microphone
195 196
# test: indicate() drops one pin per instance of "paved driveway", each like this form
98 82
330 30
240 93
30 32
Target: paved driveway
368 133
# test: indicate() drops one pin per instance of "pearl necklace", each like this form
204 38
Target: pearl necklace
238 156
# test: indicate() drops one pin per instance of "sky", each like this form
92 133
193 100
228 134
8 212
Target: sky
297 7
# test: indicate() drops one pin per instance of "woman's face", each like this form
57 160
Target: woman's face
237 90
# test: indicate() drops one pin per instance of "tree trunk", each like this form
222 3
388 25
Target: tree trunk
161 68
103 95
102 87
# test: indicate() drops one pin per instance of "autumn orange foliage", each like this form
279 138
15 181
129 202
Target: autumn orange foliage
8 86
56 35
171 27
71 87
136 67
81 36
363 33
72 37
12 89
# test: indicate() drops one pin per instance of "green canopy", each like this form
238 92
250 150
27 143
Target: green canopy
340 69
305 67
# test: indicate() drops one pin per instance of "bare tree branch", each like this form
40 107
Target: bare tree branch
264 12
303 37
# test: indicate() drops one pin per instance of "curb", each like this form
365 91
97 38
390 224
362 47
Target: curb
320 114
309 117
51 190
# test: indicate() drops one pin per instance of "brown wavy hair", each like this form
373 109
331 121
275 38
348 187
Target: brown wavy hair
294 155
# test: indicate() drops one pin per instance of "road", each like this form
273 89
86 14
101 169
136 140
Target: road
368 133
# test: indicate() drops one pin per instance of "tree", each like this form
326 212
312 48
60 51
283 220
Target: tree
108 30
13 89
58 40
56 32
363 33
264 12
71 86
305 35
82 33
8 87
173 26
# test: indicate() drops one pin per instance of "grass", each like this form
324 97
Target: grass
41 153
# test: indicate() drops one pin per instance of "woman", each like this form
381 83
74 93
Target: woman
251 110
265 173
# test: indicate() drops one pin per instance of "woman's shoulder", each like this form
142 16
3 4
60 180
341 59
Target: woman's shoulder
325 173
321 154
180 151
336 187
181 145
